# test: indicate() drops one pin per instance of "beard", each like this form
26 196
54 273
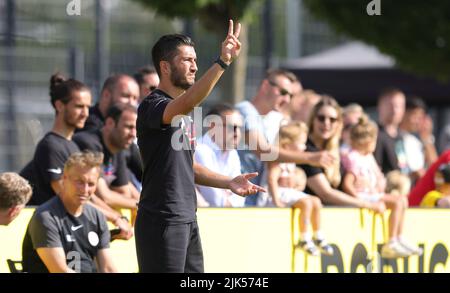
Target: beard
118 141
73 122
178 79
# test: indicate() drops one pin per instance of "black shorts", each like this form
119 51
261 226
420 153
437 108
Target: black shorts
167 248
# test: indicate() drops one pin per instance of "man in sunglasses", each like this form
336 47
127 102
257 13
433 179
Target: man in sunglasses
274 91
217 151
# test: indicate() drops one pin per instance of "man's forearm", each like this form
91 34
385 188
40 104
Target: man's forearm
204 176
110 214
194 95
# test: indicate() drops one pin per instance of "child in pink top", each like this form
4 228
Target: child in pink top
363 179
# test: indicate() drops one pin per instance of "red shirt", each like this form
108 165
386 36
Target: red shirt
426 183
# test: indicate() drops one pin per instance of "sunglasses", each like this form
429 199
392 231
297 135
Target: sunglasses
322 118
283 92
152 88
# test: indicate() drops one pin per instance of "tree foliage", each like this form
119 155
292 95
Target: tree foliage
213 14
415 32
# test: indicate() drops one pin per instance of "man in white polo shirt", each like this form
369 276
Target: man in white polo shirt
217 152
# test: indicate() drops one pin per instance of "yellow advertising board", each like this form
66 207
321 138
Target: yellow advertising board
260 240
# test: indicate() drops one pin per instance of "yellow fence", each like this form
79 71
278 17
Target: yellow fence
261 240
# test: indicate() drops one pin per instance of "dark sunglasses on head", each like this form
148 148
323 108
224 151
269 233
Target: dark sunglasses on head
322 118
283 92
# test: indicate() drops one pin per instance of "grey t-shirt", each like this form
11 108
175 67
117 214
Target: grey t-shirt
81 237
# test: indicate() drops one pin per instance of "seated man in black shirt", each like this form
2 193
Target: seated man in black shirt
71 100
65 234
15 192
118 89
116 135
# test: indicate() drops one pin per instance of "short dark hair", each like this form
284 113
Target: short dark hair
112 81
166 48
387 92
61 88
274 72
414 102
115 111
139 75
218 109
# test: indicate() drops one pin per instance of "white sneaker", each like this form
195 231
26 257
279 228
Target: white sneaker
412 249
324 247
308 247
394 250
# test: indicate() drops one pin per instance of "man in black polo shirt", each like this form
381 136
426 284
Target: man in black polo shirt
65 234
167 235
116 135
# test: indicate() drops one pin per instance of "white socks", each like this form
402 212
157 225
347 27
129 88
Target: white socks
319 235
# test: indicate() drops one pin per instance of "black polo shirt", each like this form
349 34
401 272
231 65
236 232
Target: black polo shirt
168 190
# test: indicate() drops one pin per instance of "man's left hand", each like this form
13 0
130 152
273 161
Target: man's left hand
242 186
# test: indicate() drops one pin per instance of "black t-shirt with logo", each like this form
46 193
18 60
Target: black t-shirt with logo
114 165
168 191
80 237
47 165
